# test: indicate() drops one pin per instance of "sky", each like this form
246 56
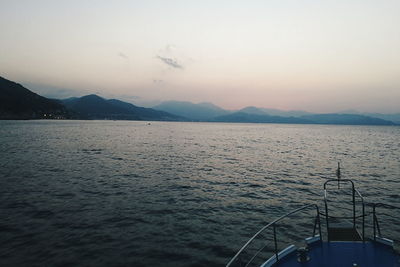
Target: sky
318 56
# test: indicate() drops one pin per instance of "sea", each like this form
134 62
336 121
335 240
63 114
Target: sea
138 193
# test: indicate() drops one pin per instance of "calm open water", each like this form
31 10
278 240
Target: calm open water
116 193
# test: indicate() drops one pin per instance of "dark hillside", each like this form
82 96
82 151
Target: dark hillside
17 102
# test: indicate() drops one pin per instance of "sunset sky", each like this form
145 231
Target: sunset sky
319 56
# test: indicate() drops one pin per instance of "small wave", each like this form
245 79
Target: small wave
250 195
92 151
160 212
8 229
64 195
221 251
43 214
255 185
131 175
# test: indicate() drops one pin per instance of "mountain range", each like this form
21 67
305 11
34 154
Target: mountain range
96 107
17 102
197 112
251 114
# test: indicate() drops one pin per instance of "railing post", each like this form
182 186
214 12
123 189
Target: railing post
276 243
327 216
373 219
363 222
315 226
377 226
319 224
354 207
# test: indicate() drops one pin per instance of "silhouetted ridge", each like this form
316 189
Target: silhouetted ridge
17 102
201 111
145 113
274 112
394 117
346 119
343 119
96 107
257 118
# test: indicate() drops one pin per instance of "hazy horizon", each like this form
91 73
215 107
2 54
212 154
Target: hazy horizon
288 55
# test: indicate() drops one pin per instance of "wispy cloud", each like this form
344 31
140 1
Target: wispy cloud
170 62
120 54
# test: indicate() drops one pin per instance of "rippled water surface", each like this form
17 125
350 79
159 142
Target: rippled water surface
115 193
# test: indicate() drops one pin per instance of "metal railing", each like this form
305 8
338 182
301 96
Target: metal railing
375 221
363 213
355 193
317 223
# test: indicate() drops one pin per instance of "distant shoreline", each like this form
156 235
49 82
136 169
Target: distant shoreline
211 122
19 103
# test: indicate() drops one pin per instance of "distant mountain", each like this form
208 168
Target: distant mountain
96 107
341 119
210 112
290 113
257 118
346 119
146 113
390 117
93 107
274 112
201 111
17 102
253 110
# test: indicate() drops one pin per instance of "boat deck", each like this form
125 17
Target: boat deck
343 244
343 234
345 253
